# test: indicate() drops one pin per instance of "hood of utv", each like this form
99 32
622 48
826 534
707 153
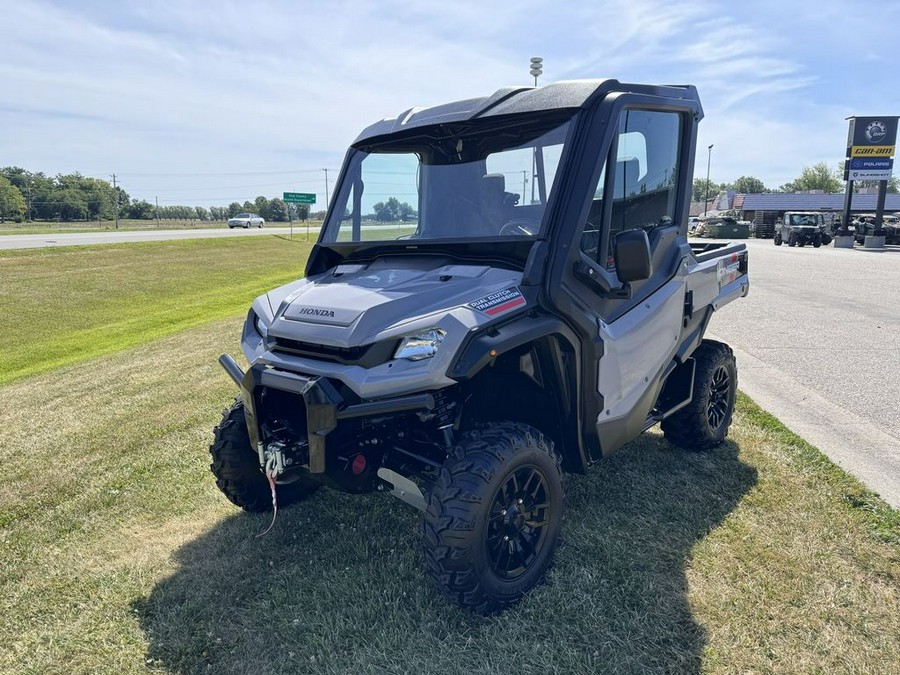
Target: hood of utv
353 305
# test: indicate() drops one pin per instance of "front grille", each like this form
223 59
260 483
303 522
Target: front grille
366 356
320 352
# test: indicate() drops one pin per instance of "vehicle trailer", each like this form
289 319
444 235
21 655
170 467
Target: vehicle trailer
464 357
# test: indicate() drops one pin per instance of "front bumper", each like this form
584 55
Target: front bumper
323 405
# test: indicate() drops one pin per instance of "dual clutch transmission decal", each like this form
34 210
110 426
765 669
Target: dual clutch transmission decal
499 302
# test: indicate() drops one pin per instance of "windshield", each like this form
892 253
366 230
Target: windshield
465 181
804 219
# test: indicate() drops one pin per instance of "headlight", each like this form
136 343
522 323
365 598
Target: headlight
259 325
420 346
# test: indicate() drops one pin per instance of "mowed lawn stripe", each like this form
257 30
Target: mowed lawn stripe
67 305
118 552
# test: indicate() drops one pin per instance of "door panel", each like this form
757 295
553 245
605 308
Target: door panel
637 347
628 342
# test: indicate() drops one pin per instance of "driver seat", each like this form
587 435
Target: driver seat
494 208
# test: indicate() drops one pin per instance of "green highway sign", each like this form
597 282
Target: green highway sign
300 197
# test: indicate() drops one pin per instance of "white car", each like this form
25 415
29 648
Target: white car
246 220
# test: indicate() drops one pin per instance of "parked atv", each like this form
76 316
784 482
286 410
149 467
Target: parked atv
800 228
864 225
461 361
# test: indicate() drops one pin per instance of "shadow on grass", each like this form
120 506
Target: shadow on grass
337 585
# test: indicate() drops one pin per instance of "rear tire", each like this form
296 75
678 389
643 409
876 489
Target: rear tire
494 517
704 423
236 467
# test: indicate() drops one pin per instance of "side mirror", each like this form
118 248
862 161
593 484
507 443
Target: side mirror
633 256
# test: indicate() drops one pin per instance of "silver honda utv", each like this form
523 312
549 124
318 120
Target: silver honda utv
503 290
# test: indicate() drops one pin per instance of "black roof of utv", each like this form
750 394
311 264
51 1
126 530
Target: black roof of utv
518 100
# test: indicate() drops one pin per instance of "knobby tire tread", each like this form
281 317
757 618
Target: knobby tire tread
454 503
688 428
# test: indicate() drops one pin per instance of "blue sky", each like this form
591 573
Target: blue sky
209 102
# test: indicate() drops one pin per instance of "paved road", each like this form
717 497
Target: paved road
818 346
107 237
112 237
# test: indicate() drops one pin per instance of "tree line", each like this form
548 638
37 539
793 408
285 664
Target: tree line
819 176
26 195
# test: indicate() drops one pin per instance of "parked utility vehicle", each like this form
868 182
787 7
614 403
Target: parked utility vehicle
800 228
462 361
864 225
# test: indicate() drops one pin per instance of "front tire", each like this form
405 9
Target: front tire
777 239
494 517
704 423
235 465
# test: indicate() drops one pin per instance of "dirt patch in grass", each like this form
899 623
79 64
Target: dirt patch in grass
117 553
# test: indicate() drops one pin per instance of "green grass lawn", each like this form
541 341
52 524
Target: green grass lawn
119 555
70 304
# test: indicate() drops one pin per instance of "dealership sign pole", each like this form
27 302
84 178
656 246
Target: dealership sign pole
870 156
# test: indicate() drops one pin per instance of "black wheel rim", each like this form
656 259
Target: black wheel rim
519 519
719 390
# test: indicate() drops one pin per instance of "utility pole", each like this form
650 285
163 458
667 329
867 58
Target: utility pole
326 188
157 210
536 70
116 200
30 190
524 183
708 162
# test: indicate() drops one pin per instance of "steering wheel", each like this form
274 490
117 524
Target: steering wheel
526 227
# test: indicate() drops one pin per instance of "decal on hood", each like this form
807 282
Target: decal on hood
314 311
500 302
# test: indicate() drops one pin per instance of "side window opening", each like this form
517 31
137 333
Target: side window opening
644 181
645 187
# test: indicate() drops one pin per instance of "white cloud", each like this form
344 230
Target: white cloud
226 87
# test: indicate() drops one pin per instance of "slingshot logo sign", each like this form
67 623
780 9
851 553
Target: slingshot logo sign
876 131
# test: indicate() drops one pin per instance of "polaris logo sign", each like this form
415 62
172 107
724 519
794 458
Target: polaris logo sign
312 311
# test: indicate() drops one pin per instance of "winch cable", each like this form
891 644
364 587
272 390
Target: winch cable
270 475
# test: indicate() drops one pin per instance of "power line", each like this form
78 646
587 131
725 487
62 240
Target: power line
230 173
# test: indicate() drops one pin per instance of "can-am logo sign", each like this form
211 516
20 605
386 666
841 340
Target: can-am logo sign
312 311
876 131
